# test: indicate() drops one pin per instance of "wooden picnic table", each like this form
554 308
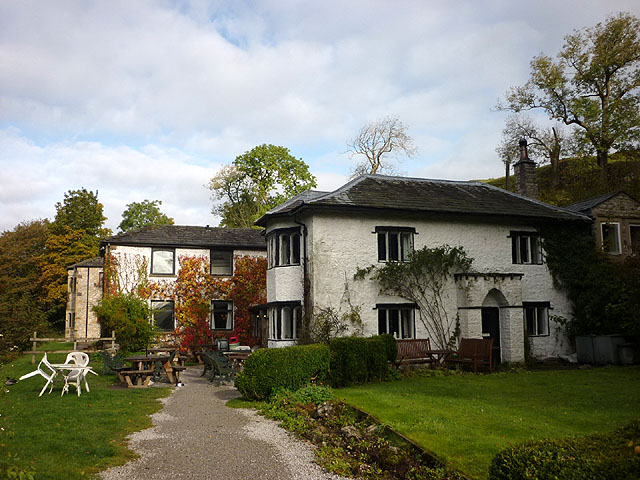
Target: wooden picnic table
143 369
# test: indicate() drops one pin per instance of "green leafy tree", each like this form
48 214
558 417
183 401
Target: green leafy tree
73 236
22 298
128 316
258 180
143 214
82 211
593 85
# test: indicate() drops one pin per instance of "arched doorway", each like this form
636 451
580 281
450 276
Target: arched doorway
491 321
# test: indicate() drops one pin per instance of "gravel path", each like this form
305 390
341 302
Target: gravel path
196 436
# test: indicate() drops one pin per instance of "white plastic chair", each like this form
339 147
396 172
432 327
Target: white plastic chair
75 377
46 370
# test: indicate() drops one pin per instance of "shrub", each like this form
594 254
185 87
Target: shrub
128 316
357 360
268 369
598 456
390 346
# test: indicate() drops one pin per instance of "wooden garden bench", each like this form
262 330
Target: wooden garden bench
474 351
413 351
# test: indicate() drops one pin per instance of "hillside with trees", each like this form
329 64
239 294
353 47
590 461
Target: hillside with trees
580 179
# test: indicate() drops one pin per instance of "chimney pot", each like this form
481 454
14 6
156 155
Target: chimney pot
525 173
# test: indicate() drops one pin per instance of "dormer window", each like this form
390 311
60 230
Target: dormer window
395 244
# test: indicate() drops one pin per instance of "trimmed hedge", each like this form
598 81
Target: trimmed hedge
601 456
268 369
357 360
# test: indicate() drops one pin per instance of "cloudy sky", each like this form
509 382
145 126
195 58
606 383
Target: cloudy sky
148 99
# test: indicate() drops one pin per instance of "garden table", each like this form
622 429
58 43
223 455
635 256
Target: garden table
61 367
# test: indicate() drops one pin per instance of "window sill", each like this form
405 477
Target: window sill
287 265
163 275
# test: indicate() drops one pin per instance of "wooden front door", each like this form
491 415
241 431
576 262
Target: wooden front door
491 329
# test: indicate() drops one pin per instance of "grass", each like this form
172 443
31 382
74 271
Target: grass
69 437
467 419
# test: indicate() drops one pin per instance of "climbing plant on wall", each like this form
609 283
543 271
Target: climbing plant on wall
423 279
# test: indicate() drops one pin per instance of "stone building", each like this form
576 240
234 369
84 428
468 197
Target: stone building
616 223
84 285
317 241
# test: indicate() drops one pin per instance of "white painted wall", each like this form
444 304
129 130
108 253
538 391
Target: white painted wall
338 244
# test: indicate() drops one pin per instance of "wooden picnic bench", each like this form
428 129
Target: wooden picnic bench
414 351
140 378
474 351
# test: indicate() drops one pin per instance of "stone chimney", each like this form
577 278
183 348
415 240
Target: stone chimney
525 173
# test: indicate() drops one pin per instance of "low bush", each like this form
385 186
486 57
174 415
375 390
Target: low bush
358 360
269 369
608 456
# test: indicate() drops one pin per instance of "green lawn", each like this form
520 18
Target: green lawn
69 437
467 419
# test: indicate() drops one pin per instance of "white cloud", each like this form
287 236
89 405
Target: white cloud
31 188
163 92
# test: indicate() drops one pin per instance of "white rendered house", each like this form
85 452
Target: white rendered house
317 241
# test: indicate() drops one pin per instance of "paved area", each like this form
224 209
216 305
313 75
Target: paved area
196 436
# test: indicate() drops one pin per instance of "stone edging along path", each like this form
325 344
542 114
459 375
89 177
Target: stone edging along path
196 436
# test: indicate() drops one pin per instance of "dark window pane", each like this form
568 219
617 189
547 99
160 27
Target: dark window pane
530 319
163 315
382 247
382 321
394 322
535 250
393 245
514 250
524 249
295 248
222 315
221 263
634 231
284 250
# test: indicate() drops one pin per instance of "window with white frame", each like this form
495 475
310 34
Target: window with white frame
536 318
283 247
397 319
221 315
395 244
611 238
222 262
285 320
163 261
526 248
163 314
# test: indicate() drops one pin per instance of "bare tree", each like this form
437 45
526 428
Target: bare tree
546 144
378 142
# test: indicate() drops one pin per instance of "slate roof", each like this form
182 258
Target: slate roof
97 262
586 206
190 236
380 192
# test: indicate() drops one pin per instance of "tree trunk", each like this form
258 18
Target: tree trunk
602 157
506 175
